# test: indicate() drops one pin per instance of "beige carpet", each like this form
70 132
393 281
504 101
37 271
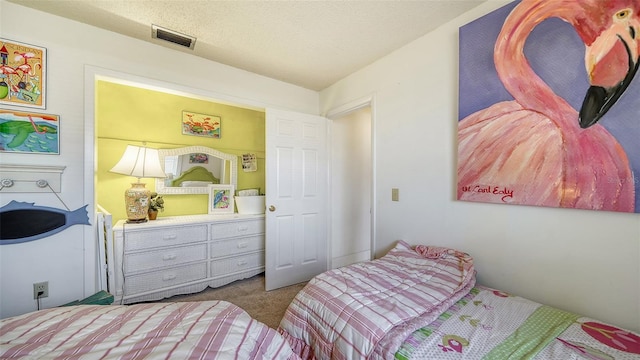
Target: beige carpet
265 306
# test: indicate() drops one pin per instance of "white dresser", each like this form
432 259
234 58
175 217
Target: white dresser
184 254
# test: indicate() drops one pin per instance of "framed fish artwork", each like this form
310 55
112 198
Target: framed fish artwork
23 74
26 132
548 106
221 199
201 124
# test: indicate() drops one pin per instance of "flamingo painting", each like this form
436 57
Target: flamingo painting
534 147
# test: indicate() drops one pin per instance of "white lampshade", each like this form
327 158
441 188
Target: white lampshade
140 162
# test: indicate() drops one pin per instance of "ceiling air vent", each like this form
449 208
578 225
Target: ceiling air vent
175 37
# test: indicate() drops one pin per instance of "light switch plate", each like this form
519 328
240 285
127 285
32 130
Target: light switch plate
395 194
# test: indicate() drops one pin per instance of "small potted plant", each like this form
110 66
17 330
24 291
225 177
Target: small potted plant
156 203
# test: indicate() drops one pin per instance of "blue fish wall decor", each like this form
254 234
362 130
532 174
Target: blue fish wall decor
22 222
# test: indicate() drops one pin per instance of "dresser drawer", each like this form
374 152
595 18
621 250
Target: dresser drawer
235 264
164 278
240 228
156 259
137 240
237 246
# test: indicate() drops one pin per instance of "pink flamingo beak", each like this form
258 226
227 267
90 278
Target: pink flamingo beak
612 62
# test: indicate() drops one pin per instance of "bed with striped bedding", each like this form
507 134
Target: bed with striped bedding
365 310
421 303
188 330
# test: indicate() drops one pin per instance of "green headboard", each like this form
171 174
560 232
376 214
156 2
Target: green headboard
196 173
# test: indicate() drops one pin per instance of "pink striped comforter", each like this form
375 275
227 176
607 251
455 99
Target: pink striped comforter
366 310
189 330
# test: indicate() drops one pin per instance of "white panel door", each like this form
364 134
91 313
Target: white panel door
296 197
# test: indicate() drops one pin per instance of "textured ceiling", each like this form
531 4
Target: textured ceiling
312 44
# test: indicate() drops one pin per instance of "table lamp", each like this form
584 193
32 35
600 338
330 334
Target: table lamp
139 162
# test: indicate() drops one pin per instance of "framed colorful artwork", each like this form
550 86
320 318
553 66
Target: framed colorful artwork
198 158
544 119
25 132
221 199
201 124
23 74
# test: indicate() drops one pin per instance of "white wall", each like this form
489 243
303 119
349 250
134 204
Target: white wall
584 261
67 260
351 188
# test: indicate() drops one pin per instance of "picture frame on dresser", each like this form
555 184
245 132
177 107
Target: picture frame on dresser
221 199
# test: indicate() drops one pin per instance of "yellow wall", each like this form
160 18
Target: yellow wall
129 115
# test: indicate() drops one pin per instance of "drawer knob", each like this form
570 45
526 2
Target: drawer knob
169 257
243 228
242 245
168 277
169 237
242 262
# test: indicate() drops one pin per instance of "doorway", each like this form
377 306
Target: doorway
93 75
351 185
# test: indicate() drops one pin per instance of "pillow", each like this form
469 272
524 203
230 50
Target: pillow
437 252
195 183
433 256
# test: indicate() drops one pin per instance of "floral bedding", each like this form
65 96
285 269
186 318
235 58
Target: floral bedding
365 310
188 330
491 324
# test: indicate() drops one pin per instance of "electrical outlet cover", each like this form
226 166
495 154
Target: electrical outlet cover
41 287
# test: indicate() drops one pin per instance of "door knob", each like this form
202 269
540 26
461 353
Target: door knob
272 208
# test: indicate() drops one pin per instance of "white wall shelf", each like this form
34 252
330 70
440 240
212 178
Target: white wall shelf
30 178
